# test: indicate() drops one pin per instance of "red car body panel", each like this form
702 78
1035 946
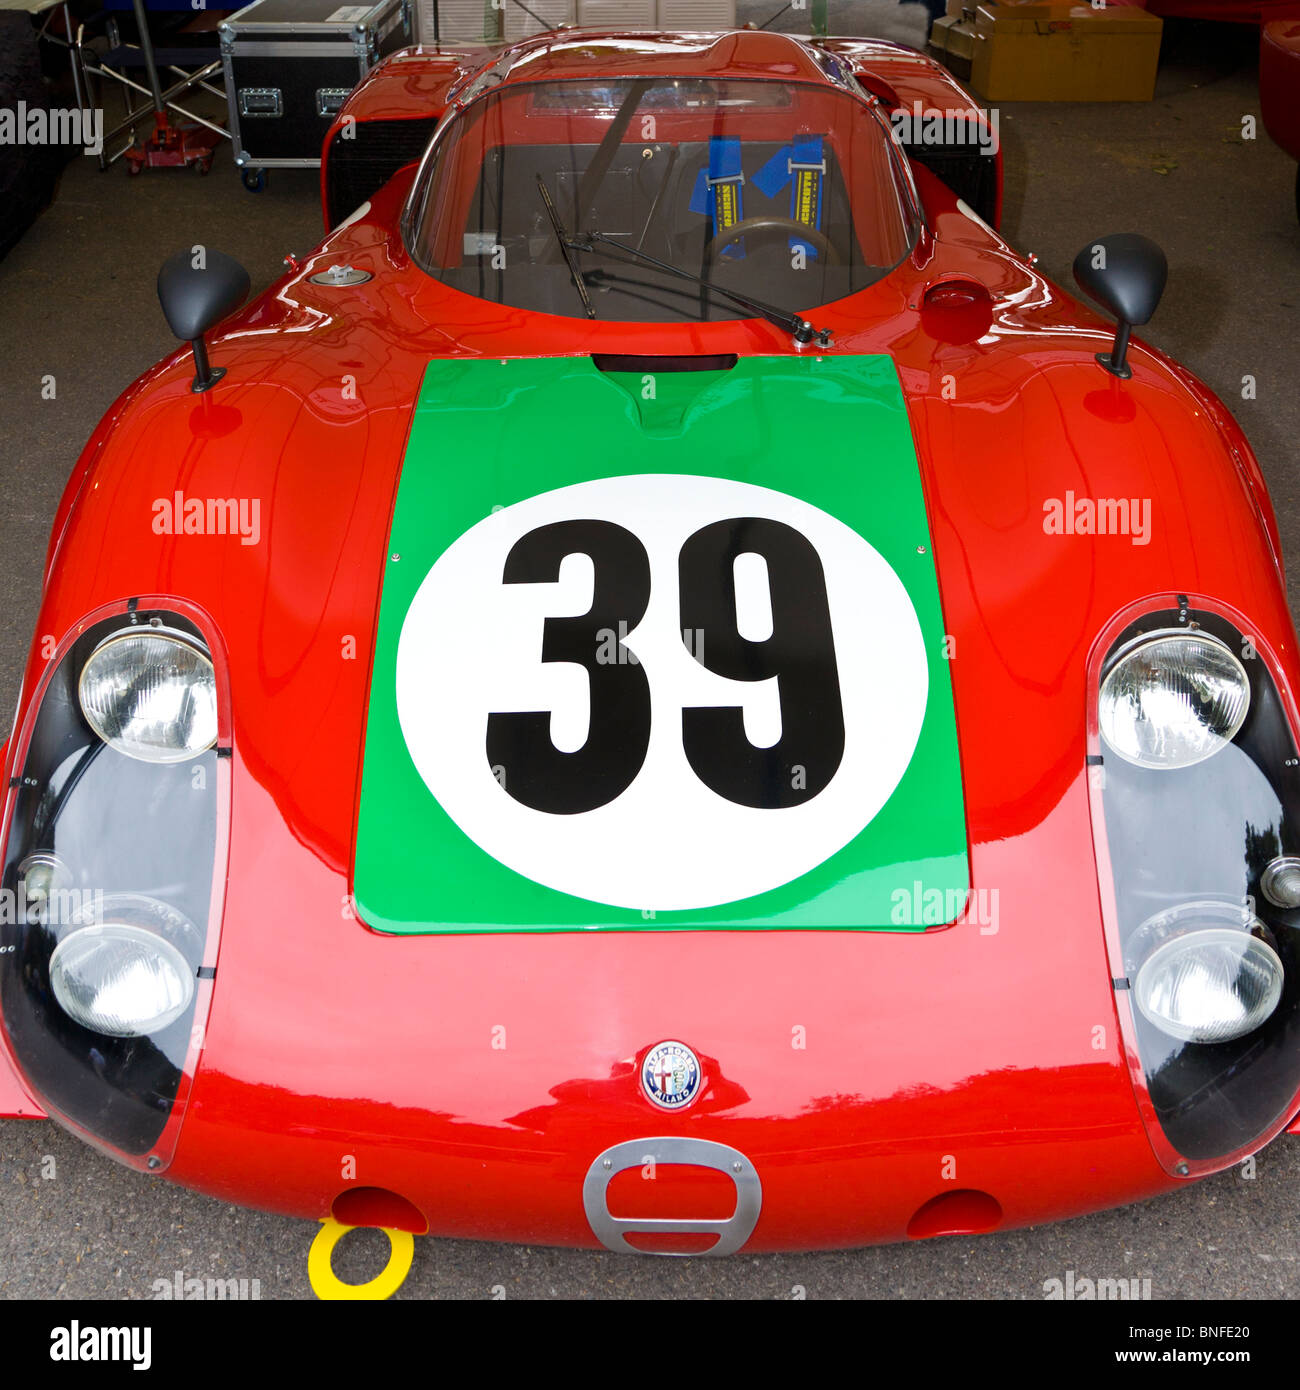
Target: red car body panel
1279 82
1231 11
338 1058
15 1103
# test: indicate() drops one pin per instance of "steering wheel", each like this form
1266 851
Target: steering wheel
767 226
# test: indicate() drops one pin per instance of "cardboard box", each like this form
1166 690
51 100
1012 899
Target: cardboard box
1065 52
952 41
961 41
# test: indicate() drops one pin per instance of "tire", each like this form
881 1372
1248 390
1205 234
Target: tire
27 172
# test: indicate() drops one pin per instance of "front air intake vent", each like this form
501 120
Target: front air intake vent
357 167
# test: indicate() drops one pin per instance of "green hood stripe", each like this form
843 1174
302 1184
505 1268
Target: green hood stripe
830 432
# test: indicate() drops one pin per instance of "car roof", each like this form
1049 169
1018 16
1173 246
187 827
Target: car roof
589 54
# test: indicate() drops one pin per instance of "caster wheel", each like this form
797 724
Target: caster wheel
201 167
254 179
134 169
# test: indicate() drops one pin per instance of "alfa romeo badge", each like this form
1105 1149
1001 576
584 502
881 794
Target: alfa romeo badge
670 1075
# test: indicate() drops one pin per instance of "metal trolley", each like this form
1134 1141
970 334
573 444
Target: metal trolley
289 66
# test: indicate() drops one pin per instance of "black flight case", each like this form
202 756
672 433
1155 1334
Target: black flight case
289 66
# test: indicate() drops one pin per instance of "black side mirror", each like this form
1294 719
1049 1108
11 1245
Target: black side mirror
193 298
1126 274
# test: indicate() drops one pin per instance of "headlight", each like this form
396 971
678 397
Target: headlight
1200 859
41 876
1280 882
151 696
1173 700
104 995
120 980
1208 985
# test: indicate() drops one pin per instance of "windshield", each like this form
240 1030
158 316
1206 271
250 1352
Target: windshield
582 198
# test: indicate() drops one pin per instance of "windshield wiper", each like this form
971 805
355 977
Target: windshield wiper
798 328
566 247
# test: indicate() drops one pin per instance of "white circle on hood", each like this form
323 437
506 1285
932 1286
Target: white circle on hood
471 647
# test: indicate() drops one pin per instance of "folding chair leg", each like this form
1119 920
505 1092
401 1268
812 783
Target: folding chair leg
78 82
218 92
77 50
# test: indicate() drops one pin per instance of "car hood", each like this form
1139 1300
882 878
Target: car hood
315 431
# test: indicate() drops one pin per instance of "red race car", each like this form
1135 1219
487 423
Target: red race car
1225 11
662 689
1279 85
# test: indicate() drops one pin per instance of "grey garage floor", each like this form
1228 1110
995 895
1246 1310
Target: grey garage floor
77 304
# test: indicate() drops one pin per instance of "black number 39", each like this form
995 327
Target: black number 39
799 653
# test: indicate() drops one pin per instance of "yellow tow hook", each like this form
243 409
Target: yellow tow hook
327 1285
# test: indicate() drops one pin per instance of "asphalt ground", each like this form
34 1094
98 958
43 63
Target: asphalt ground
77 307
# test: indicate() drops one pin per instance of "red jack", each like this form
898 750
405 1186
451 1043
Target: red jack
172 145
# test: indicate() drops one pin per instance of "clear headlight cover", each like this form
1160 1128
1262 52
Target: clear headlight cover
151 696
120 980
1173 700
1209 986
